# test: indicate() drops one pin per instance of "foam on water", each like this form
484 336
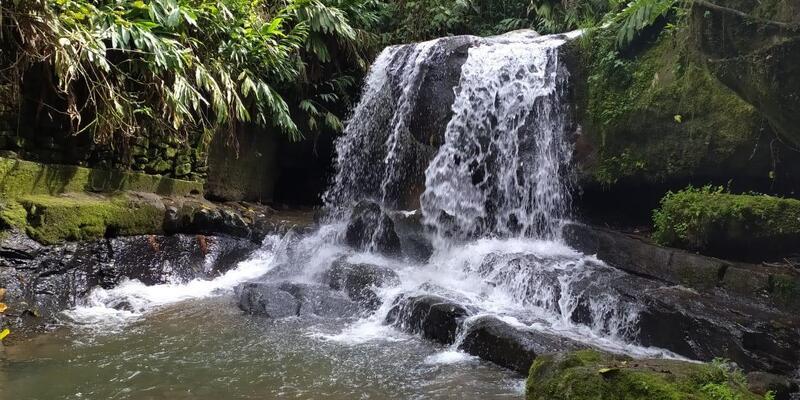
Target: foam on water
105 309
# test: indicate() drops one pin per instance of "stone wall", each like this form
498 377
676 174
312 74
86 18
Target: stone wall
32 129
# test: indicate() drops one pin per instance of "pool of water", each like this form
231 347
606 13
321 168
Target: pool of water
207 349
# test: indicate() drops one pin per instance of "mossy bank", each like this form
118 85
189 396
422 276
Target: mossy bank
588 374
712 221
670 109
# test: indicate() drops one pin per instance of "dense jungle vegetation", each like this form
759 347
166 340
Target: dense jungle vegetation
123 68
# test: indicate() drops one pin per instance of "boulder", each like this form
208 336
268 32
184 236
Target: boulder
278 300
414 241
435 318
762 383
360 280
639 256
370 226
705 327
514 348
267 300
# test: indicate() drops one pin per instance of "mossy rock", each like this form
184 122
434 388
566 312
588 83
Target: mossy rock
21 178
590 375
78 217
659 116
712 221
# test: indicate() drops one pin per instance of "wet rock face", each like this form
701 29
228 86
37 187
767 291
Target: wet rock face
358 281
704 327
503 344
435 318
286 299
414 240
42 281
762 383
755 50
369 223
673 266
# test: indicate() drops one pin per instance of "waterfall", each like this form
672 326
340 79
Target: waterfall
374 153
500 171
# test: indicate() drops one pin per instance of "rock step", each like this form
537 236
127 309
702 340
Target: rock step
780 285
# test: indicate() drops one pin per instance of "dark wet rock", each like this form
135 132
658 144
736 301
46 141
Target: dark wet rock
753 49
221 221
435 318
268 300
42 281
369 223
360 280
640 257
287 299
503 344
414 241
240 220
320 301
763 382
705 327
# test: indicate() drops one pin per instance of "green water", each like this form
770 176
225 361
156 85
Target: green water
207 349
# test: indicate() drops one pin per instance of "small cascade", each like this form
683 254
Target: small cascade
376 149
501 169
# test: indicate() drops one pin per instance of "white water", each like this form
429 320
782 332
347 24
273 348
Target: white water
500 169
111 309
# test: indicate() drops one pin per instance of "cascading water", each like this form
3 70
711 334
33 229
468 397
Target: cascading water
500 171
496 192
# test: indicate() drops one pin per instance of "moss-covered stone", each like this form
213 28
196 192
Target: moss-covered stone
77 217
709 219
661 116
12 215
20 178
589 375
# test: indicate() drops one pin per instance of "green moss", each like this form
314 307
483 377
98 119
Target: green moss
596 376
20 178
51 219
660 114
13 215
699 219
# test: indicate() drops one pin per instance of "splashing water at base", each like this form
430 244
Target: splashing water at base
111 309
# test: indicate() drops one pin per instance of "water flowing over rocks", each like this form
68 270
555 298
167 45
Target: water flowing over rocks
359 281
283 300
434 317
41 281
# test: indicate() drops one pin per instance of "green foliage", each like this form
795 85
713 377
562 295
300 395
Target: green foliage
175 65
638 15
127 68
693 217
560 16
